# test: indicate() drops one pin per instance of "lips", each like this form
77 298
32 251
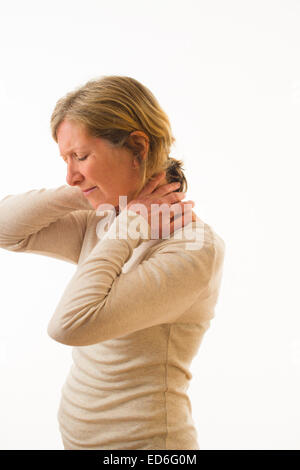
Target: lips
86 191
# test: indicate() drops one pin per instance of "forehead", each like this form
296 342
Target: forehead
72 137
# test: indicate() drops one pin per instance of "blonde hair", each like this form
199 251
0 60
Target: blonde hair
112 107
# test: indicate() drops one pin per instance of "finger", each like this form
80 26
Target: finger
182 215
156 179
181 221
180 208
175 197
167 189
152 183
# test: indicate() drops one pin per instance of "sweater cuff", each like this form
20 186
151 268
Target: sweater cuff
130 226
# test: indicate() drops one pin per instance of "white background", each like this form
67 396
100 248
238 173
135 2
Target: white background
228 75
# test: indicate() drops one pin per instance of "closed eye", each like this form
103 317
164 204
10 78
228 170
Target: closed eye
78 159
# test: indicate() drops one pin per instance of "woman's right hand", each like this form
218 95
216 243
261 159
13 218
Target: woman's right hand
176 213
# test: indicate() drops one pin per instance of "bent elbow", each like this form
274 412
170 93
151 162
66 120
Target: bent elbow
60 335
67 337
75 333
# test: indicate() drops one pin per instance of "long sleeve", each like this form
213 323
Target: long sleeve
100 302
50 222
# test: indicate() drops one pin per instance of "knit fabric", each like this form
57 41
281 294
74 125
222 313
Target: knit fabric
134 312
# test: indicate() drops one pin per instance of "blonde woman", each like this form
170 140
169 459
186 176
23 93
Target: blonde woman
148 269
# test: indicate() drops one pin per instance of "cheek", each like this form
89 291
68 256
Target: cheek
92 170
109 177
100 175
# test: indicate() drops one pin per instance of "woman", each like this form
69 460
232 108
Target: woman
138 305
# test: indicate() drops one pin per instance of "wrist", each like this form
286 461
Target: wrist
129 225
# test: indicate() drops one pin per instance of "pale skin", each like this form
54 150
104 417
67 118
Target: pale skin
114 171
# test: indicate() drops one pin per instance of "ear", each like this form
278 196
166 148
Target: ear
138 141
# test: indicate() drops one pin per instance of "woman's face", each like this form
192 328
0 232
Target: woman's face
108 168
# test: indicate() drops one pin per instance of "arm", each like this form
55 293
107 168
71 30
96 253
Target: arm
101 303
48 222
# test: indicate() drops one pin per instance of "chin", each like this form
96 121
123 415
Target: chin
111 205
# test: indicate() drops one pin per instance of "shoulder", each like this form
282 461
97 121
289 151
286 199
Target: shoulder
196 244
198 237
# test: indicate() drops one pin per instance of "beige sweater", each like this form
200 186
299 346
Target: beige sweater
135 312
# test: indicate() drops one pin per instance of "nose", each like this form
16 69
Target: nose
74 177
